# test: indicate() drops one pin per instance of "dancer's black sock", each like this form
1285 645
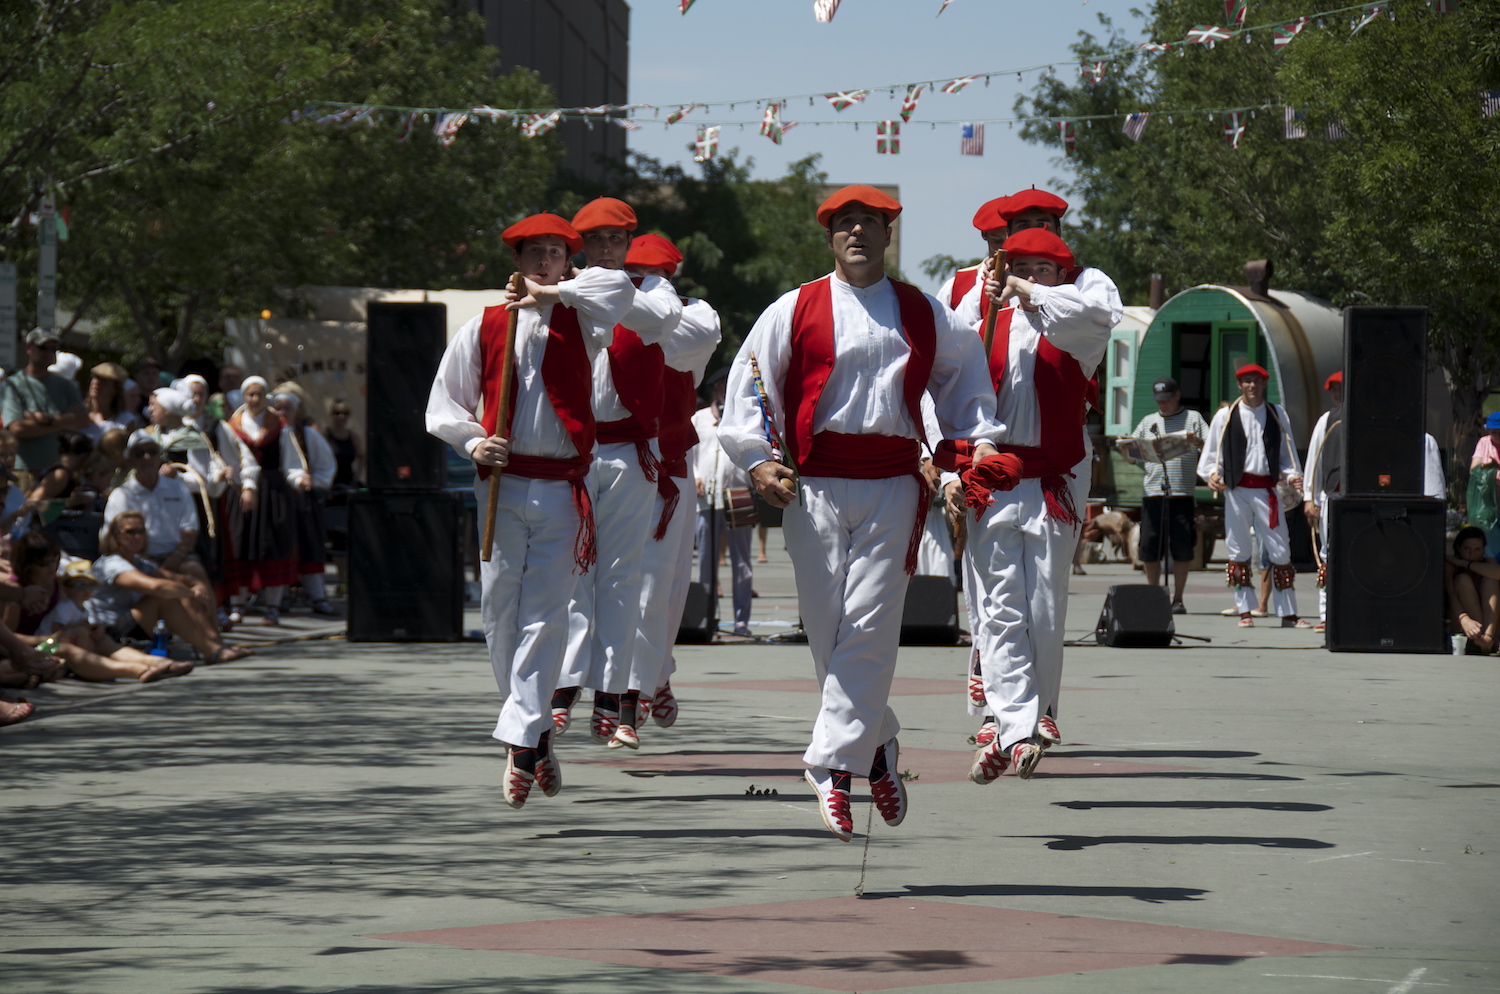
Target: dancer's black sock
565 697
878 768
544 744
628 706
841 779
606 702
524 758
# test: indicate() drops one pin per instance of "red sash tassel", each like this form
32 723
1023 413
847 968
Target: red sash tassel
575 471
873 457
1249 481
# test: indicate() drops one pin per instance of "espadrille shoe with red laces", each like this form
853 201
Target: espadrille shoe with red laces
886 787
626 737
989 763
1046 730
518 782
833 801
643 708
986 733
606 717
548 775
1024 756
563 700
664 707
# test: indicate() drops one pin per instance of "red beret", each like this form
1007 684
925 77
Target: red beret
990 216
605 212
542 224
866 196
1337 377
1039 243
1251 369
1039 199
652 252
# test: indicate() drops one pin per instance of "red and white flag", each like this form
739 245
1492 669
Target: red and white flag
1201 34
1094 72
1135 125
447 126
943 7
957 85
1153 47
824 10
707 145
627 124
1282 34
407 125
846 98
680 113
770 123
1369 14
683 5
1234 12
889 140
539 124
1443 6
909 102
1068 135
1234 130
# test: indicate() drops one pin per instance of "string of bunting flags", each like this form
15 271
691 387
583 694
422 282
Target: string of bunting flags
773 124
823 10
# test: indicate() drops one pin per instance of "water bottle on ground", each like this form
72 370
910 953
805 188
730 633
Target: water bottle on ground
159 638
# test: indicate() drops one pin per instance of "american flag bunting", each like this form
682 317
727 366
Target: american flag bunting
1489 101
971 140
1294 126
888 141
1135 125
1336 130
909 102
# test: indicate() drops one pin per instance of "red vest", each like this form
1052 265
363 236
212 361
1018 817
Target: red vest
677 434
566 374
963 282
636 369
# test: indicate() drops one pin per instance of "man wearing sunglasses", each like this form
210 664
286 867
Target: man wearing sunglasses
36 404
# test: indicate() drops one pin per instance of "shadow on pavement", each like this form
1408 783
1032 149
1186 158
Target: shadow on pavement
1072 842
1197 805
1150 895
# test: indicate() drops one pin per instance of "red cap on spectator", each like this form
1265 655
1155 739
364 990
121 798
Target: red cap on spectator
990 216
1027 199
1251 369
1337 377
866 196
652 252
542 224
1039 243
606 212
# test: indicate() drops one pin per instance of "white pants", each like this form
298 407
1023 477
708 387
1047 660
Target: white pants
526 588
605 613
1242 506
848 547
1017 568
935 557
664 573
1323 546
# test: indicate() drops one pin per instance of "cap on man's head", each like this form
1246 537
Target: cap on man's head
990 216
1492 422
140 437
605 212
863 196
43 336
653 252
110 371
1164 388
1336 377
1039 243
1251 369
1033 199
538 225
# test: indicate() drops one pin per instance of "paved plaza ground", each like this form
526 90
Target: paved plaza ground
1250 814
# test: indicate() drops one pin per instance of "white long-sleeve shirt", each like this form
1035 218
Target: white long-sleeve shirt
1073 322
599 296
1253 420
695 341
716 470
1314 452
321 465
1091 292
654 314
253 428
863 395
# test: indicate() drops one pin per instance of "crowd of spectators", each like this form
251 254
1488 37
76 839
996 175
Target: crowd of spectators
151 502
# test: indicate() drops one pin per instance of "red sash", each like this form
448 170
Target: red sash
568 379
874 457
1250 481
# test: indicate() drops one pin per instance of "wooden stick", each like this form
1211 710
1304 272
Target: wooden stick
997 270
507 387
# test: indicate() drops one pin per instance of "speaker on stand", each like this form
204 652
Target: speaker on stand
1136 616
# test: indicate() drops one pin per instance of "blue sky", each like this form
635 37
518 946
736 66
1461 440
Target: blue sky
754 49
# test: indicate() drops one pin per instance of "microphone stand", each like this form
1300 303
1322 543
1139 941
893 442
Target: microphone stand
1165 515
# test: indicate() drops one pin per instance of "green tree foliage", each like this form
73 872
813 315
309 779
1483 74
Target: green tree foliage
1404 210
744 241
194 196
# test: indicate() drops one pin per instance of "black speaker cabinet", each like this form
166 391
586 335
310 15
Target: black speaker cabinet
1136 616
406 580
1385 575
1385 400
406 343
930 616
694 628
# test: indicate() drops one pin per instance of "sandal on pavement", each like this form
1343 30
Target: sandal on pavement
228 654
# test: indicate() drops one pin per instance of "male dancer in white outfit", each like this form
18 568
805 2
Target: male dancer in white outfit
668 554
544 525
1023 211
1315 489
845 360
606 609
1020 547
1250 450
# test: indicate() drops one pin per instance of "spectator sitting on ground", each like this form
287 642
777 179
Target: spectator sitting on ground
64 480
106 401
1473 589
113 444
36 405
170 514
134 592
20 666
12 497
37 557
69 621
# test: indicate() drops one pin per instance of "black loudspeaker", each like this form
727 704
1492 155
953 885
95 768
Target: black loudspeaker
930 616
1385 400
1385 575
1136 616
405 343
694 627
406 561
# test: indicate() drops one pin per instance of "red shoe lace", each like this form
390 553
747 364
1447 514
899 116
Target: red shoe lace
546 776
1049 728
887 797
838 807
993 763
976 691
520 785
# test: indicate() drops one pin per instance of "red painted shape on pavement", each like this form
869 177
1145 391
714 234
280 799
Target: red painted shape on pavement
847 943
932 765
